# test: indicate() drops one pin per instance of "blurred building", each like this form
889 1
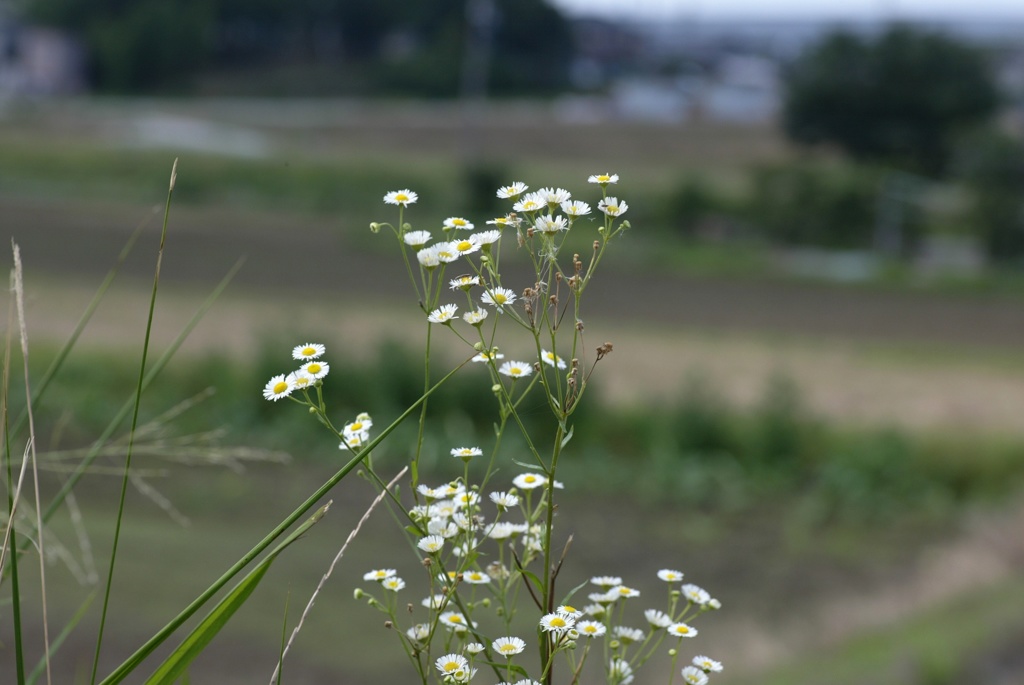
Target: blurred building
39 61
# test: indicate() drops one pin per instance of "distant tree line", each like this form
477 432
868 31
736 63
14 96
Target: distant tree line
392 46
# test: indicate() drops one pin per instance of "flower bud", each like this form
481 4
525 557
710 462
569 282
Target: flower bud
375 227
358 594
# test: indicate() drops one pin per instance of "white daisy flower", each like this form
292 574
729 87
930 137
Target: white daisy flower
499 297
465 246
443 314
300 380
487 356
510 191
607 582
379 574
467 452
658 619
529 481
351 442
428 258
550 224
670 576
434 601
464 282
551 359
277 387
401 197
474 648
504 500
416 238
696 594
485 238
451 489
428 492
554 196
627 635
682 630
501 530
508 646
591 628
556 623
458 222
509 220
475 318
418 632
443 509
442 527
466 499
450 664
694 676
316 369
454 620
623 591
431 543
446 252
476 578
530 203
604 179
394 584
570 611
714 604
612 207
575 209
308 351
609 597
707 664
620 672
515 369
360 425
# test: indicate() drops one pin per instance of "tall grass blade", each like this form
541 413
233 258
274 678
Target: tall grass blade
19 301
10 539
179 660
135 421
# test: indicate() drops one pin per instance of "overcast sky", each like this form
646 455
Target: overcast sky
797 9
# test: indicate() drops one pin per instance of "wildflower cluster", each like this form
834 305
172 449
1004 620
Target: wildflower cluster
484 540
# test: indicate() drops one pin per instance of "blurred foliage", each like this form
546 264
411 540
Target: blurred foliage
698 451
385 46
902 97
992 166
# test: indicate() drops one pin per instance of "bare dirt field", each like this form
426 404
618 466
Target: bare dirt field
865 356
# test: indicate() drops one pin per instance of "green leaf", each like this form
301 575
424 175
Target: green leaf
532 467
176 665
573 591
532 577
568 436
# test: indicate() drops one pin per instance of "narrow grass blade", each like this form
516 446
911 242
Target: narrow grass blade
178 662
135 421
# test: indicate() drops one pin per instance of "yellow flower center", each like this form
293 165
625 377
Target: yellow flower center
280 387
314 368
612 208
683 630
557 622
464 245
499 298
456 619
569 609
459 222
357 426
530 479
451 666
508 648
604 178
589 629
401 197
308 351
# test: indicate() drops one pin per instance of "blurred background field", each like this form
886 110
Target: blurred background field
813 407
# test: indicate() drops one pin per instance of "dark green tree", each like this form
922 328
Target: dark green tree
901 98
